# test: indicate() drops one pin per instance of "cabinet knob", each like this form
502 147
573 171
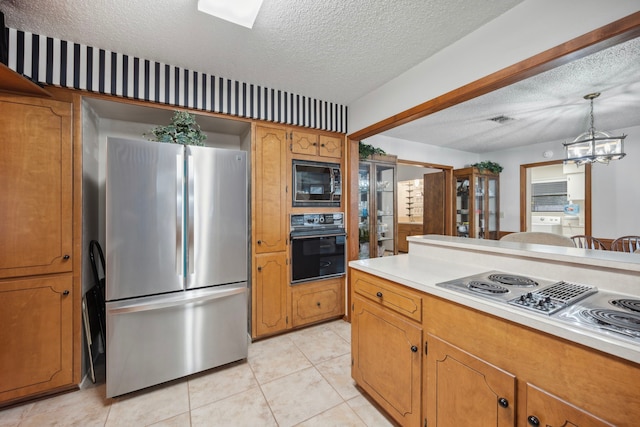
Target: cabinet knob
259 268
414 348
321 145
533 420
318 303
65 292
503 402
259 242
66 257
379 294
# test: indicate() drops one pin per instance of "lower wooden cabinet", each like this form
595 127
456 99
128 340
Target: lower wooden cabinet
270 291
478 369
36 336
545 409
387 359
404 231
317 301
463 390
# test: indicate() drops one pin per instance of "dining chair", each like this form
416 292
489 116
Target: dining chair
539 238
626 244
587 242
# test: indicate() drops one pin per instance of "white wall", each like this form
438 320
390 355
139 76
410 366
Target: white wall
418 152
531 27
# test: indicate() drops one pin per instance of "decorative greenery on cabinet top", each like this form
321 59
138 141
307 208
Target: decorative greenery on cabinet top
488 165
183 129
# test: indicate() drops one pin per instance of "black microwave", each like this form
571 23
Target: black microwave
316 184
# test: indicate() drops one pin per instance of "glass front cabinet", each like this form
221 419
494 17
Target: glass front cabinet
377 208
477 207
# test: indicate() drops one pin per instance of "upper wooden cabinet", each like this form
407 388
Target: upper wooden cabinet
313 144
36 174
269 188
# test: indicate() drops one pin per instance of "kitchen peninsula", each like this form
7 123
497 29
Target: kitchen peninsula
453 358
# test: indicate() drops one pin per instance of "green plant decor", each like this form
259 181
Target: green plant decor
366 150
182 130
487 165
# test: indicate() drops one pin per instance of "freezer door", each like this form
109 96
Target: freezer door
217 216
144 218
156 339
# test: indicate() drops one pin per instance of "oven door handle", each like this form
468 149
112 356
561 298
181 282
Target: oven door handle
314 236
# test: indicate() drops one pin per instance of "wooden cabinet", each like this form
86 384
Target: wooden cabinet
36 335
270 288
314 144
545 409
269 188
37 178
270 280
477 207
39 288
405 230
317 301
464 390
386 346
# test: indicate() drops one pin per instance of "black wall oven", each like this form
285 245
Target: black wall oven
318 247
316 184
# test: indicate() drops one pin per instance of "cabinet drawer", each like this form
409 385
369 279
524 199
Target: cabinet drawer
317 301
388 294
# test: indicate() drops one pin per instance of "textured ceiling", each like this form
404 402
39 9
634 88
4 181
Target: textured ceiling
544 108
333 50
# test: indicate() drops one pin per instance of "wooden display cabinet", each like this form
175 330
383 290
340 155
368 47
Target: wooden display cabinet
477 203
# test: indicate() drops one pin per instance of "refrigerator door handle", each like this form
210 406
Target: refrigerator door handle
179 214
191 214
174 302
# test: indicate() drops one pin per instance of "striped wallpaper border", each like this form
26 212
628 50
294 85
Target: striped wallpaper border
73 65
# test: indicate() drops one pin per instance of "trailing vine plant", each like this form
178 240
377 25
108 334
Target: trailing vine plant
488 165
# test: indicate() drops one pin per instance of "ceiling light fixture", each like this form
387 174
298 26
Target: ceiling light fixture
241 12
594 146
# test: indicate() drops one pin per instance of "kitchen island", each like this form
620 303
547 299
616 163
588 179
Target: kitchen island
431 354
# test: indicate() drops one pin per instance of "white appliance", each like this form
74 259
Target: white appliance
176 261
546 224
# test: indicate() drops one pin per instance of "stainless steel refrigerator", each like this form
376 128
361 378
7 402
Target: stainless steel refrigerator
176 261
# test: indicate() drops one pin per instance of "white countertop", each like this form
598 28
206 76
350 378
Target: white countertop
422 272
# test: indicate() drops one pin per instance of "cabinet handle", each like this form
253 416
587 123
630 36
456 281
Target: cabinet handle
318 303
321 145
66 257
65 292
259 242
533 420
503 402
414 348
379 294
259 268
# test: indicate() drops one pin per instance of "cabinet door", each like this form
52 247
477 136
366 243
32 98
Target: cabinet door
575 186
269 188
330 146
317 301
545 409
36 175
404 231
387 361
36 335
463 390
304 143
270 286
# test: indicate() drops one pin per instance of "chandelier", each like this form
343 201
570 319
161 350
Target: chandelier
594 146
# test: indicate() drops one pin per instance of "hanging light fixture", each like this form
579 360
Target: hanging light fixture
594 146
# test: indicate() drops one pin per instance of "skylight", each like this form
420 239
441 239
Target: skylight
241 12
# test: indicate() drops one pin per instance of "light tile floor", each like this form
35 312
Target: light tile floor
298 379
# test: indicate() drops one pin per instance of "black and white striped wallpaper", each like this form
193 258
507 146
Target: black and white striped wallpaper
72 65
